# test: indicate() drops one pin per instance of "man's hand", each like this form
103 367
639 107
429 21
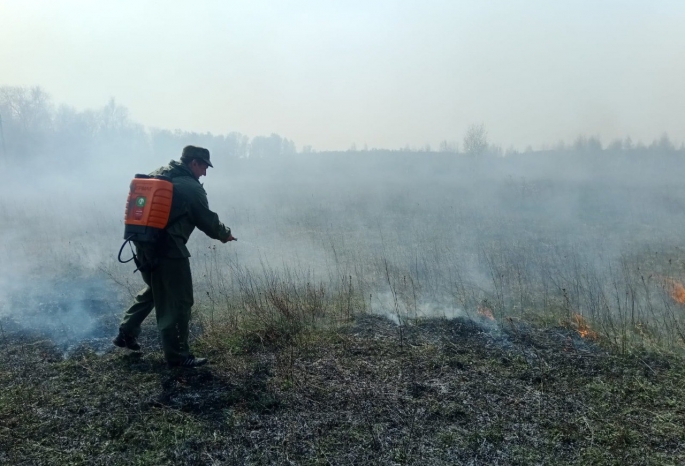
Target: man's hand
230 238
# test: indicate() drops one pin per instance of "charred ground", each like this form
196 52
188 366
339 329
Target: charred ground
434 391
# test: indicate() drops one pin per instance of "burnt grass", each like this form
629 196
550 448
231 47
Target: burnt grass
368 392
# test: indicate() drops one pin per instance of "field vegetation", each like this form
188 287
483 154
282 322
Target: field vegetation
389 307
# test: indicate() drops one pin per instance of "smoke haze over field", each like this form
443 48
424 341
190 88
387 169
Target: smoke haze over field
411 233
377 150
384 73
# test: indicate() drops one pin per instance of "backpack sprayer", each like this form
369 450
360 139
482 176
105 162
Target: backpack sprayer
147 212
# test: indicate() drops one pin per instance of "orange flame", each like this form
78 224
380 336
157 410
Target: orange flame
485 312
677 290
583 328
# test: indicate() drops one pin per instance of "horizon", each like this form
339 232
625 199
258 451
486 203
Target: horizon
20 99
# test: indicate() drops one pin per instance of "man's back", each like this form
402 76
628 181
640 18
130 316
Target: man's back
189 209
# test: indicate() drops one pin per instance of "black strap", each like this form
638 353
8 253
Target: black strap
133 254
134 257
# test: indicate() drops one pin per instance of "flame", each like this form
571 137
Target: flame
583 328
677 290
485 312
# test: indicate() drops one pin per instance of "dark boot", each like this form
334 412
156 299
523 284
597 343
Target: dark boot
124 340
190 361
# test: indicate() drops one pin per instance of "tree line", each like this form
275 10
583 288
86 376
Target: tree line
33 127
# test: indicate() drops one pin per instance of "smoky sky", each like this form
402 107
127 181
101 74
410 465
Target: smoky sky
386 74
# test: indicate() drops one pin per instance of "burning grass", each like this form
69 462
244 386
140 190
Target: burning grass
581 325
676 290
485 312
453 393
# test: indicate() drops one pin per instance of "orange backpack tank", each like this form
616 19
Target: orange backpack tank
148 208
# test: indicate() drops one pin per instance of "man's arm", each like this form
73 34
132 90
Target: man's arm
206 220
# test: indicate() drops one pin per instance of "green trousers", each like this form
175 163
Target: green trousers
169 291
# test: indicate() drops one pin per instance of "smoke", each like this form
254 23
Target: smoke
67 310
446 232
56 247
392 307
398 311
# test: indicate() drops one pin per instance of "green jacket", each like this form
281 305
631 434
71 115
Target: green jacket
189 209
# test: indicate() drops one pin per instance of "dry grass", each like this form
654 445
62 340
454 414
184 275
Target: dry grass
454 393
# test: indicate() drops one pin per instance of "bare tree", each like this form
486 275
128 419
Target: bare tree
476 140
446 147
27 119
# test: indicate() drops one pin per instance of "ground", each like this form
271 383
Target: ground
367 391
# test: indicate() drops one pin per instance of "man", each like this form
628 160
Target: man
165 266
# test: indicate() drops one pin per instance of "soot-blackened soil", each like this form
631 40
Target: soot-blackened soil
432 392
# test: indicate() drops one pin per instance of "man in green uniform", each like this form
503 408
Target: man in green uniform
165 267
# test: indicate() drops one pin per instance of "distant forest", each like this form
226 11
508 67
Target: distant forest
33 127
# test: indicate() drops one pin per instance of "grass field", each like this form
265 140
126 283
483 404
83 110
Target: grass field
454 391
391 310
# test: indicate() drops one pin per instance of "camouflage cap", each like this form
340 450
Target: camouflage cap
192 152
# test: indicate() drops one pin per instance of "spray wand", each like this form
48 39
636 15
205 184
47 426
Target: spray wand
230 238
